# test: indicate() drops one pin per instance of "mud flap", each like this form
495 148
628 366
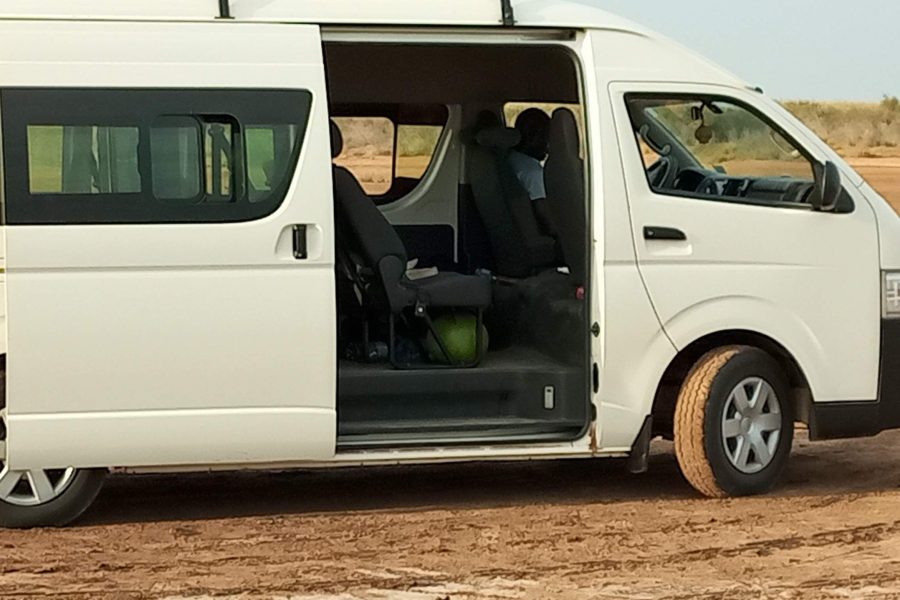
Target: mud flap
638 458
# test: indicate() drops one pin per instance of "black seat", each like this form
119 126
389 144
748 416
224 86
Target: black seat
564 181
373 255
517 244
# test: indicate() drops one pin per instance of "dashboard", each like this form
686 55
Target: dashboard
775 190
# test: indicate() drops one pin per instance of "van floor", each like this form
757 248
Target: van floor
516 394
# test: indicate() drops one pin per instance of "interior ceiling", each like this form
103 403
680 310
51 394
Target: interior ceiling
394 73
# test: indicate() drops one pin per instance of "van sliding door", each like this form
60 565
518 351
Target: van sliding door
169 244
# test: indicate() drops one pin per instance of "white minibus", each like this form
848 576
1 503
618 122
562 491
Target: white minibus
279 234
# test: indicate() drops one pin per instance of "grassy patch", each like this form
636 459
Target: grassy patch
855 129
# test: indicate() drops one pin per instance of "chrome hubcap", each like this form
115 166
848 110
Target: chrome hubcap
751 425
29 488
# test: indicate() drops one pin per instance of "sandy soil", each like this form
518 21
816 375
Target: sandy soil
883 174
564 530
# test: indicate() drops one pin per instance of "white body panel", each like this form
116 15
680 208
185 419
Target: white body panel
808 280
631 350
149 331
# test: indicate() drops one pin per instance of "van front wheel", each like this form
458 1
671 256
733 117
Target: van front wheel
734 423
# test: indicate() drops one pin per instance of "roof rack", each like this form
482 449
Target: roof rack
508 16
506 9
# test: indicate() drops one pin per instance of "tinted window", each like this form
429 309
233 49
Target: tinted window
268 157
176 158
143 156
90 159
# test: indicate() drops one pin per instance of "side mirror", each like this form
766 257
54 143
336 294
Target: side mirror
828 187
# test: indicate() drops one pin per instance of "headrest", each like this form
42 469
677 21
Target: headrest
337 141
564 131
498 137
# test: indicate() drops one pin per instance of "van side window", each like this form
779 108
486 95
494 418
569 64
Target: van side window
416 145
175 152
717 148
149 156
389 148
84 159
368 151
268 157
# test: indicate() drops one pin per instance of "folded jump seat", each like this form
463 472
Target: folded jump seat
374 258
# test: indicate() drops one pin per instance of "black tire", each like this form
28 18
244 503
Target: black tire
60 511
699 443
63 509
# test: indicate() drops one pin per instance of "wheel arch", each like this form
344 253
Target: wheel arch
663 408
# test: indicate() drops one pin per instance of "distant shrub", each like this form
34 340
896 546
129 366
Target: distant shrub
854 128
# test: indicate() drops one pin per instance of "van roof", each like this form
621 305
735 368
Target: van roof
551 14
528 13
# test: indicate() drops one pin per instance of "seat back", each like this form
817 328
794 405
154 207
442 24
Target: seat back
366 234
517 245
564 180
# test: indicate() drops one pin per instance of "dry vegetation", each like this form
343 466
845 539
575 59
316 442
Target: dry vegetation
866 134
855 129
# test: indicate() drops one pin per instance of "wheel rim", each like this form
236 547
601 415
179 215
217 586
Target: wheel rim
29 488
751 425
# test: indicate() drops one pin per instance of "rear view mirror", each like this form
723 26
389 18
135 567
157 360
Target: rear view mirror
828 187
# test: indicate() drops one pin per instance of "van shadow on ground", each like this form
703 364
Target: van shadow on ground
823 469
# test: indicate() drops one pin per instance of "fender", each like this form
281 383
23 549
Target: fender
760 316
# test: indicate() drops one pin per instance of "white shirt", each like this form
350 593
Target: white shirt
530 173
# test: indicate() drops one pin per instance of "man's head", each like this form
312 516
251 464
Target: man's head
534 127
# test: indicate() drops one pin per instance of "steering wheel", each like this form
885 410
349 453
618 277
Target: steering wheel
659 172
709 186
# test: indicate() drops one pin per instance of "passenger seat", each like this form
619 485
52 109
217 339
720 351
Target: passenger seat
518 246
378 263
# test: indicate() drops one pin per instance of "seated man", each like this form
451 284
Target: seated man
526 161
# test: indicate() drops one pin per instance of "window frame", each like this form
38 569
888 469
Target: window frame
715 97
141 107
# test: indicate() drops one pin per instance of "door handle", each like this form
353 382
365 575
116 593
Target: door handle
300 249
664 233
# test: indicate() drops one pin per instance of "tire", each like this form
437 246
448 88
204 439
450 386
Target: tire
725 452
76 495
60 511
